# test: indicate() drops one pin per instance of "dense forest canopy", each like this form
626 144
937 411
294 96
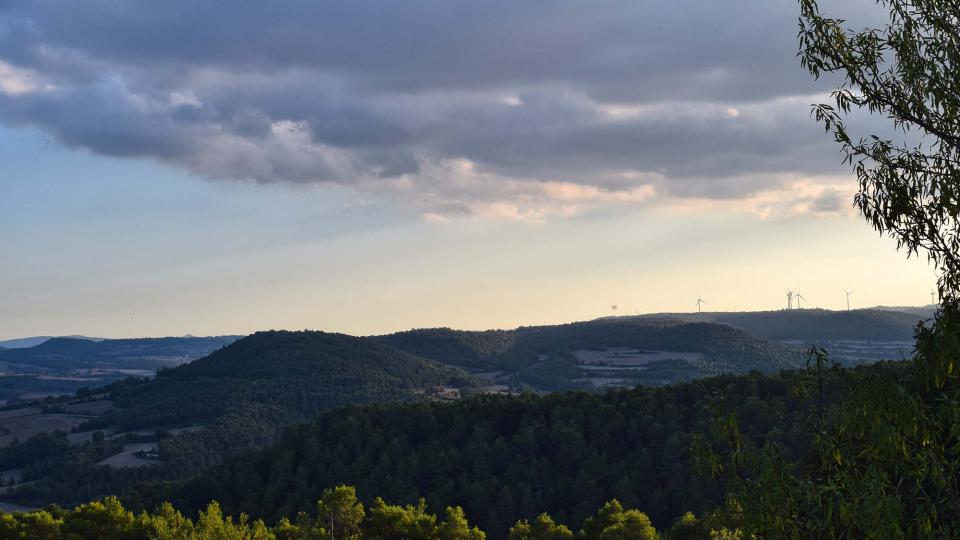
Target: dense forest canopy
508 458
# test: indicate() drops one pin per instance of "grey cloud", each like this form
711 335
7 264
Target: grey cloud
100 119
614 48
355 91
830 201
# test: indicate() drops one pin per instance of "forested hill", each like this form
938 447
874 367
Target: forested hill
291 374
506 458
816 325
236 399
550 357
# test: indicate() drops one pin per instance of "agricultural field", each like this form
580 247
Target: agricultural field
133 455
625 367
88 408
853 352
21 424
627 358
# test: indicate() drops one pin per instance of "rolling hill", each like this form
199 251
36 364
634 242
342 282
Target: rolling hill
621 351
298 373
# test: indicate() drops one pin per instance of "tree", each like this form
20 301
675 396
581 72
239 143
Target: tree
285 530
905 71
341 512
543 528
456 527
612 522
885 464
167 523
607 516
385 521
39 525
105 520
632 525
688 527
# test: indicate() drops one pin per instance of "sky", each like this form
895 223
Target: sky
372 166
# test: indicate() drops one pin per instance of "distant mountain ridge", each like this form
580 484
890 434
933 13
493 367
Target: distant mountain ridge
490 349
63 365
23 343
925 312
136 353
815 324
552 357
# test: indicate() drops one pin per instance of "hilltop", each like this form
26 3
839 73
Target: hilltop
298 373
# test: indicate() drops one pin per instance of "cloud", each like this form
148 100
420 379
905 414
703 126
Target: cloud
15 81
787 197
501 109
458 189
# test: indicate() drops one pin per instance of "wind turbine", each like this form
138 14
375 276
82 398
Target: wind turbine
799 297
789 299
848 297
933 300
700 301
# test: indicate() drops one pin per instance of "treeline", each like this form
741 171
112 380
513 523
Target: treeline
338 515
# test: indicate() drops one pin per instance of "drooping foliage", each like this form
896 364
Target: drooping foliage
884 462
904 71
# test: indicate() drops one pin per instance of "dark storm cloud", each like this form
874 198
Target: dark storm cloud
730 50
694 93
